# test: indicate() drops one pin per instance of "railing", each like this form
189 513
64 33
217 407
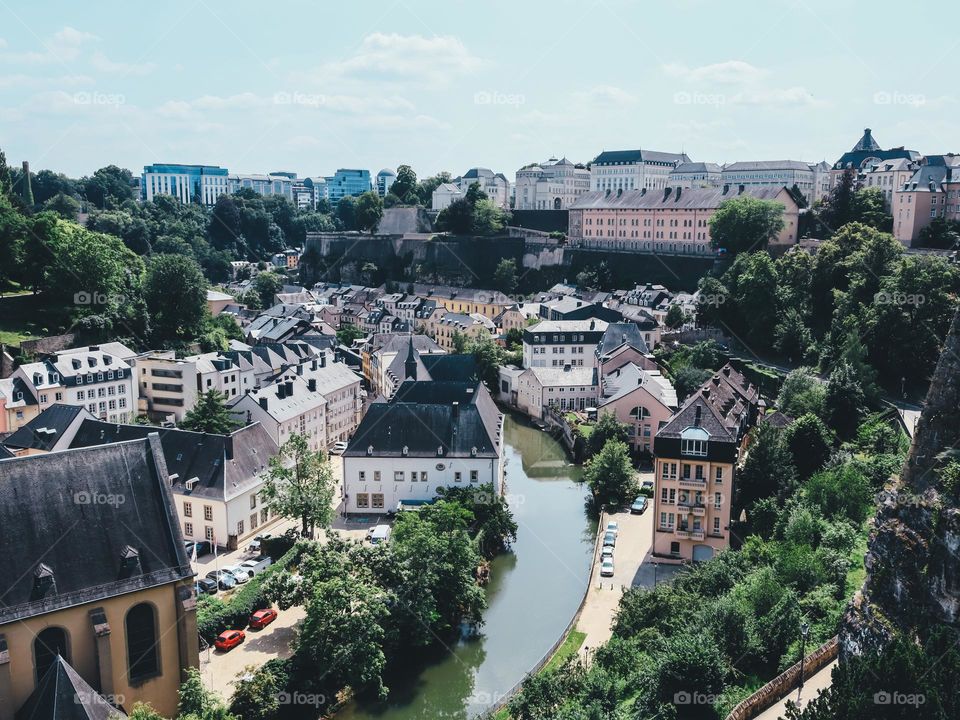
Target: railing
692 482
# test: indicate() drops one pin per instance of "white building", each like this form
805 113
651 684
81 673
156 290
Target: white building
203 183
566 388
615 170
264 184
445 195
811 178
429 436
495 185
550 185
99 378
695 175
556 343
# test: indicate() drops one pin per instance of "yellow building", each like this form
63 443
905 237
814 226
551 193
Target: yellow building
96 574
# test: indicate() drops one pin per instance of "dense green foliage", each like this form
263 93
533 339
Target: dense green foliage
745 223
611 476
210 415
299 485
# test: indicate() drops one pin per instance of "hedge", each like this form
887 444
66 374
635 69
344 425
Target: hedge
214 615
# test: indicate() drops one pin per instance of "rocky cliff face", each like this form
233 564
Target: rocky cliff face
913 560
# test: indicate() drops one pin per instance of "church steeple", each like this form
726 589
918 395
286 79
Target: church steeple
866 142
410 364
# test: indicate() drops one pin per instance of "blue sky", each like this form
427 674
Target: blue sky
311 86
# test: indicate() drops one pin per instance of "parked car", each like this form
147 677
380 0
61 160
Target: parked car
203 548
229 639
256 565
256 543
613 526
225 580
639 506
338 448
609 539
261 618
240 574
606 552
647 486
206 586
606 567
378 534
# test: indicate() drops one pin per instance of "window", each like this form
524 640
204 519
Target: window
239 527
208 533
474 476
674 548
264 515
693 441
398 475
188 529
253 501
43 397
49 643
717 500
718 478
58 396
716 524
423 476
188 509
363 500
253 521
458 476
377 499
685 471
376 476
208 513
362 476
141 628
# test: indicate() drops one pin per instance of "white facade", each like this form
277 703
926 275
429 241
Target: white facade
551 185
184 182
263 184
445 195
99 378
633 169
378 484
242 516
556 343
495 185
569 388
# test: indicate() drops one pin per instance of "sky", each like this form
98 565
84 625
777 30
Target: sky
309 87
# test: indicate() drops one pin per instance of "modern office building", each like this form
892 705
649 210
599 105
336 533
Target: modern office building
385 179
273 184
187 183
347 182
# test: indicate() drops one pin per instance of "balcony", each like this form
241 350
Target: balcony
690 534
692 482
698 510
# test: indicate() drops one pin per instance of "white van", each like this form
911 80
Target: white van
378 534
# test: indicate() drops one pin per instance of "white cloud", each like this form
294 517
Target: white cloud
3 43
606 95
731 72
33 81
391 56
63 46
104 64
796 95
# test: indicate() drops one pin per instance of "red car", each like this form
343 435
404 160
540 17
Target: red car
261 618
229 639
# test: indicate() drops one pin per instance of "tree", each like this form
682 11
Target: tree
840 492
869 207
267 285
109 185
610 475
176 295
676 318
224 228
940 233
456 218
405 185
369 211
791 337
505 276
257 691
768 468
347 212
299 484
489 357
809 442
198 703
689 378
607 429
802 392
837 208
210 415
745 224
426 187
844 401
752 309
63 205
488 219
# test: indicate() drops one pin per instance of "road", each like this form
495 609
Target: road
811 688
634 542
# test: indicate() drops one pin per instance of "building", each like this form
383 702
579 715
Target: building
929 194
18 404
171 386
569 387
695 175
696 455
445 195
776 174
100 577
624 170
623 343
319 399
217 301
446 327
385 179
671 220
384 355
272 184
308 192
99 378
429 436
347 182
489 303
187 183
866 153
495 185
642 399
558 343
888 175
551 185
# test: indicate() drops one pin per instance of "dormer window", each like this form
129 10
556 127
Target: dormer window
693 441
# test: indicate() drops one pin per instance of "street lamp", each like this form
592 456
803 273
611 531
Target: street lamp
804 631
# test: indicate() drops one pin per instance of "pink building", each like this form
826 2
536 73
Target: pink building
932 192
642 399
668 220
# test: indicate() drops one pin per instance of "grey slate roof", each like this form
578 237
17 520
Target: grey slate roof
751 165
620 157
618 334
43 432
75 511
224 465
422 418
62 694
686 198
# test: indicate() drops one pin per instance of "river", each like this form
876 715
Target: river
533 593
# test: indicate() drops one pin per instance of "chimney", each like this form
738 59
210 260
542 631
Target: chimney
666 193
740 190
129 558
696 416
323 360
592 324
676 198
300 370
313 365
264 402
726 189
44 582
289 387
312 384
456 410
